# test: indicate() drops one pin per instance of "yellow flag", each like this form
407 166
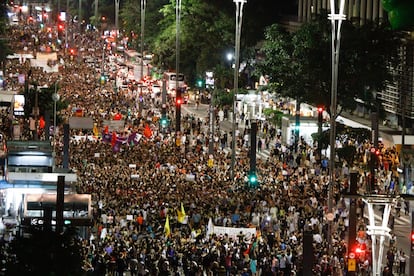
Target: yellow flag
167 229
95 130
181 214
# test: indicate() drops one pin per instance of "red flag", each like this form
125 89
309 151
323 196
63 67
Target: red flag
247 251
147 131
113 141
42 122
117 117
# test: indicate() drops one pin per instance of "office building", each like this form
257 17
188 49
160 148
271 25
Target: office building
397 99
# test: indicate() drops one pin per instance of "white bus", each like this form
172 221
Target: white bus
170 81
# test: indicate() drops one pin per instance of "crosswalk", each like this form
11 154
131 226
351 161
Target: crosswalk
263 154
401 220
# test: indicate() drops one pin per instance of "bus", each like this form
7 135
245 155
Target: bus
170 81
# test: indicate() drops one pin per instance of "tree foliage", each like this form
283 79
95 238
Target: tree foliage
205 34
273 116
299 64
5 49
45 101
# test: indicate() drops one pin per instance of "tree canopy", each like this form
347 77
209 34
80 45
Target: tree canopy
400 13
207 32
299 64
5 50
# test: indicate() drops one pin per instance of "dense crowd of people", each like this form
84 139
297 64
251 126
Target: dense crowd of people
140 190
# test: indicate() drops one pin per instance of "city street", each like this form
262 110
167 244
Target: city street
152 185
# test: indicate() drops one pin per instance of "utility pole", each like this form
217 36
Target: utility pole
211 126
177 67
143 5
239 19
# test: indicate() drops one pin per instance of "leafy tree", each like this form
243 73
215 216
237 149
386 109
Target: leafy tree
223 98
205 34
274 116
346 135
5 49
45 101
299 64
347 153
130 21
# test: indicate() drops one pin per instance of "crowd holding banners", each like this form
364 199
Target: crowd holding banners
139 209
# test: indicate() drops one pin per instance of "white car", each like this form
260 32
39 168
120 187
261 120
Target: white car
156 88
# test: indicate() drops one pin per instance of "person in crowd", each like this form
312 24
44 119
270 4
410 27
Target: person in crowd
132 205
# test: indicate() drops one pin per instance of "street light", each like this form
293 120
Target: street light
116 18
239 17
143 5
229 57
177 65
336 22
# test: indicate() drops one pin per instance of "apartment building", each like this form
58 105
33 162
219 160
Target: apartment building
398 97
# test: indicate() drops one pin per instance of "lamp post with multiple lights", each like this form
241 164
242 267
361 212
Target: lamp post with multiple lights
177 67
336 22
116 18
143 5
239 17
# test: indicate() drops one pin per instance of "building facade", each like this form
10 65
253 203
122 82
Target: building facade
398 97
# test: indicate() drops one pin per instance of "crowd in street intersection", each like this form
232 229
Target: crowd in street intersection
159 202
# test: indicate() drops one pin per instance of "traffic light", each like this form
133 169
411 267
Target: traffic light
178 101
252 178
102 79
200 83
164 122
320 112
412 241
60 30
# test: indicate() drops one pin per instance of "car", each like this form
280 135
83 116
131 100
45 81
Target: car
156 88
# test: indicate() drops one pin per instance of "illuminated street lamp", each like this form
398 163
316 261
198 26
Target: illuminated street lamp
239 17
336 22
116 18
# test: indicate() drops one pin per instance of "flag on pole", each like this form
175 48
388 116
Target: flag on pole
181 214
167 229
113 140
95 130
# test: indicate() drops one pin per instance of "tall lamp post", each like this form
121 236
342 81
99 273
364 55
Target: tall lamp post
336 22
177 66
239 17
116 18
143 5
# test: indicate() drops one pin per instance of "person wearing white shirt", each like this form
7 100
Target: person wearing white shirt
317 238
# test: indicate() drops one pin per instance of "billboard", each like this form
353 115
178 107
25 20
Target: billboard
18 105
